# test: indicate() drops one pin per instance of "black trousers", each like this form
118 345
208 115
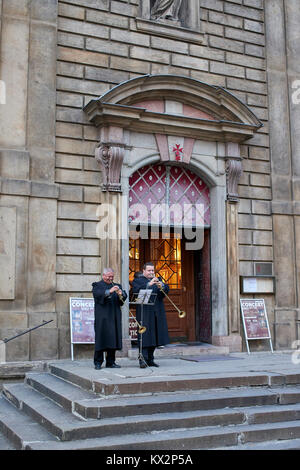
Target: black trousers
148 353
110 356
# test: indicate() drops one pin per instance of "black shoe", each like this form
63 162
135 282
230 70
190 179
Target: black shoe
113 366
97 366
152 364
143 365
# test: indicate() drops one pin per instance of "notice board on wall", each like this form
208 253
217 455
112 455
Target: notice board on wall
255 320
81 321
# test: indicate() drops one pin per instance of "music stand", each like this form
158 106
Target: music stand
143 297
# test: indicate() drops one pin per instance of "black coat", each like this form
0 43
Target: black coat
154 316
108 324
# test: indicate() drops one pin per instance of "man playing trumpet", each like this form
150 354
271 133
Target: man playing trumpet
154 316
109 297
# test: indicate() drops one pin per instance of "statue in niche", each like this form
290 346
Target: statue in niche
166 10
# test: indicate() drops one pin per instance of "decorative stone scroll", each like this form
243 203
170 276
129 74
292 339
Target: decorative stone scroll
233 171
111 159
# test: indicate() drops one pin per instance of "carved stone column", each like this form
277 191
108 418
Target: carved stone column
233 173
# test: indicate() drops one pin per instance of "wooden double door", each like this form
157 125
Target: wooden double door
181 270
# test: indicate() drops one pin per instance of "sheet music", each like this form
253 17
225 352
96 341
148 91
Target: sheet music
144 296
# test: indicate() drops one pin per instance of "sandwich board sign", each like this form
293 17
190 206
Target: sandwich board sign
255 320
81 321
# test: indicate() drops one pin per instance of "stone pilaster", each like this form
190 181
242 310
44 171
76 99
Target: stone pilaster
233 174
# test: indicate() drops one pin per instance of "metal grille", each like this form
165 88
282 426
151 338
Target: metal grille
168 195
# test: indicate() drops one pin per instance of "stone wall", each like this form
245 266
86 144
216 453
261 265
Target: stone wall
28 200
50 180
282 34
103 45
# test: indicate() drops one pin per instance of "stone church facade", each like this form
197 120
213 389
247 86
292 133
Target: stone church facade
98 93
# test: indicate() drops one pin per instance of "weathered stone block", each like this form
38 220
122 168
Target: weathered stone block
284 328
69 99
14 164
261 237
43 344
70 193
68 264
261 207
82 57
71 11
96 4
16 7
69 161
8 228
41 255
69 210
91 265
70 246
15 35
44 190
87 29
284 252
69 228
227 69
107 47
17 187
245 36
18 348
133 66
227 44
190 62
118 21
72 40
2 352
75 283
171 45
41 86
77 177
70 70
143 53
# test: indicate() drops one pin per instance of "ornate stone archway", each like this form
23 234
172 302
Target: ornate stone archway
143 121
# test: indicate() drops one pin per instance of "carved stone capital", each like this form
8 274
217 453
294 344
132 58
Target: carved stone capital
233 174
111 157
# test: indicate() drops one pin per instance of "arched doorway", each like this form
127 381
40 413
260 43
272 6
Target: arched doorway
141 122
169 221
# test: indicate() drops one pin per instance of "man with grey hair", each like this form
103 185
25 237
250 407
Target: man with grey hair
109 297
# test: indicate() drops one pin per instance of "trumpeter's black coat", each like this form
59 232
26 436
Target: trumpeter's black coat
154 316
108 324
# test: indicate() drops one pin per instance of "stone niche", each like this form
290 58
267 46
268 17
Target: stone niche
187 27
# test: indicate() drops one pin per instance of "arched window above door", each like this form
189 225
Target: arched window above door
168 195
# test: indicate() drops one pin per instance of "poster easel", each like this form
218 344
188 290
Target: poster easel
81 321
255 321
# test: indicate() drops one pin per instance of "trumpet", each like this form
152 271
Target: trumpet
181 313
141 329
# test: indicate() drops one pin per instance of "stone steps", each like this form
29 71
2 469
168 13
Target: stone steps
20 429
100 382
68 408
182 439
78 418
90 405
